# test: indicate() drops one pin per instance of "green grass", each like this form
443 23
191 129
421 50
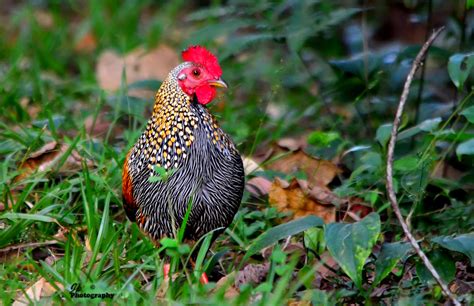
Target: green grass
49 90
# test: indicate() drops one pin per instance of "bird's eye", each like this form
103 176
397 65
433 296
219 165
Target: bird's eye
196 72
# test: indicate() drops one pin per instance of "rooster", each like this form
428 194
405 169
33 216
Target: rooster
204 169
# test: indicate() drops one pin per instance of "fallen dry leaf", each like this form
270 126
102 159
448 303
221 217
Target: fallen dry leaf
258 186
99 126
86 43
44 19
32 109
318 171
253 274
353 210
227 282
294 302
39 290
293 143
250 165
48 157
303 199
139 64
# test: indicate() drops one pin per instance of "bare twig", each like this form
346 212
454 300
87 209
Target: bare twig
391 147
28 245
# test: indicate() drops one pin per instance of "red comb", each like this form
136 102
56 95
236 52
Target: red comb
203 57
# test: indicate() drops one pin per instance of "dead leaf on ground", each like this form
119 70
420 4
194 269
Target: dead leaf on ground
353 210
250 165
40 290
318 171
258 186
32 109
294 302
99 126
48 158
227 282
253 274
293 143
299 197
139 65
86 43
44 19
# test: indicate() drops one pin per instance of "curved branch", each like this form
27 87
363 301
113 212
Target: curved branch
391 148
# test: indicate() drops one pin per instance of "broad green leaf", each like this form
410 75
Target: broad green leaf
282 231
314 240
406 163
443 263
351 244
466 148
459 68
429 125
462 243
469 114
469 4
388 258
383 134
322 139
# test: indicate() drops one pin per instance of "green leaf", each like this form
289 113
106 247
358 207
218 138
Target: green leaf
429 125
23 216
322 139
466 148
314 240
351 244
461 243
383 134
469 114
469 4
406 163
459 68
282 231
388 258
442 262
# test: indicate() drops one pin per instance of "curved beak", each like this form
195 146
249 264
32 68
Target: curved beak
218 83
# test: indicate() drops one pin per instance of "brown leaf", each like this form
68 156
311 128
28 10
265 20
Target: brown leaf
354 210
253 274
139 64
258 186
227 282
294 302
48 157
318 171
32 109
294 143
99 126
44 19
40 289
302 199
86 43
250 165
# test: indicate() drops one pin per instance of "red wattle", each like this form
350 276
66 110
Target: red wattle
205 94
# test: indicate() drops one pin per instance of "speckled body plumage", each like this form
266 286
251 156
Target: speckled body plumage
184 138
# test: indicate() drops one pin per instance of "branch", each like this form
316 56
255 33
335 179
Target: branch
391 148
